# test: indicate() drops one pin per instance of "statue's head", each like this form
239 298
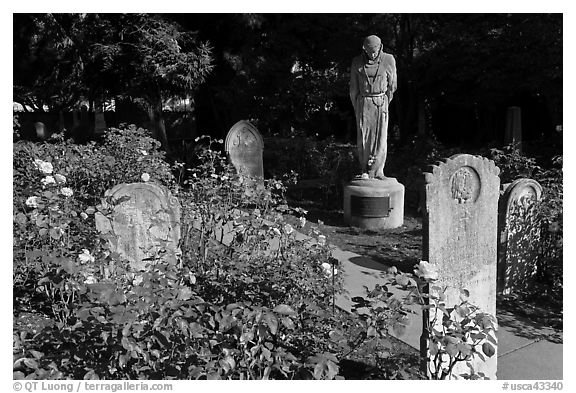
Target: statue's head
372 46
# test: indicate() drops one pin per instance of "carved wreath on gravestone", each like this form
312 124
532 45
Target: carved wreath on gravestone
465 185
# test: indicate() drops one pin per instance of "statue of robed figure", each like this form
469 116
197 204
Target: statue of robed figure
372 86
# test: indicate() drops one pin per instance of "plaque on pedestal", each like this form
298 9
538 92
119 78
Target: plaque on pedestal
374 204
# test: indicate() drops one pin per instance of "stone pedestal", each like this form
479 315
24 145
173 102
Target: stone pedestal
374 204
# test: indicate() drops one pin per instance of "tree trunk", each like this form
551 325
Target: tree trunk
157 126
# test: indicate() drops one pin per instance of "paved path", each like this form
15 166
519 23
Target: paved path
526 350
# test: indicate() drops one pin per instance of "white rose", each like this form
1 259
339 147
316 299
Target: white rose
48 180
302 222
276 231
145 177
32 201
322 240
67 192
288 229
90 279
44 167
85 256
426 271
328 269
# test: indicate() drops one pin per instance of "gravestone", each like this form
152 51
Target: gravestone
145 224
41 131
518 232
99 123
460 237
75 118
244 146
513 132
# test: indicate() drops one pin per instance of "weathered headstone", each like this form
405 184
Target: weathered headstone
144 225
460 236
513 132
99 122
518 232
244 146
41 131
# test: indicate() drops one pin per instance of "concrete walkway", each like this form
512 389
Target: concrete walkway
526 350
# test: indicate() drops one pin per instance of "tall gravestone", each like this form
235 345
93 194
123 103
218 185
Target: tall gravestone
518 232
144 226
460 236
99 122
244 146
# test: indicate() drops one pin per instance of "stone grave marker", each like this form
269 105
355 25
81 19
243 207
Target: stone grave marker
145 224
99 123
460 237
518 233
244 146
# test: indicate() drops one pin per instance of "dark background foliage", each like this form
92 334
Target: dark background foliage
289 73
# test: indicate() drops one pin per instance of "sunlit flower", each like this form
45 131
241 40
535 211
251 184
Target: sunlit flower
365 176
426 271
288 229
137 280
224 178
302 222
143 152
90 279
145 177
276 231
61 179
32 201
328 269
83 215
554 227
322 240
44 167
66 191
85 256
48 180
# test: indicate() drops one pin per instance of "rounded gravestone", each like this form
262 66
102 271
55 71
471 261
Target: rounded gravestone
144 226
244 146
518 235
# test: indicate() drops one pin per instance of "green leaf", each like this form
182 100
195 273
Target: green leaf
402 280
332 370
284 310
288 323
372 332
318 371
488 349
272 322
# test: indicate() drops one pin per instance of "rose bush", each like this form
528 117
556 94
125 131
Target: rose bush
259 309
